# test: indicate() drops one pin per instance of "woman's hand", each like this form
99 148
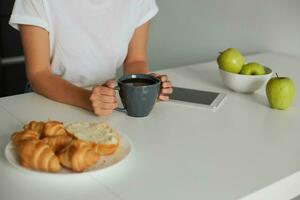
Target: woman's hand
103 99
166 87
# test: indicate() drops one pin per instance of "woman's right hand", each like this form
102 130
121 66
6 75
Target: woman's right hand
103 99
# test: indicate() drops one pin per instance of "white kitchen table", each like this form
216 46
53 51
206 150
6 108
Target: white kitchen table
242 151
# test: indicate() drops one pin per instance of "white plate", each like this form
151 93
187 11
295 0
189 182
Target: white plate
105 162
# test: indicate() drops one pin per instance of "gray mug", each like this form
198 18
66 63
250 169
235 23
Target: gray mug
138 93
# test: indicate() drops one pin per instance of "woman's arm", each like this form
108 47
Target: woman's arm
136 61
36 48
37 55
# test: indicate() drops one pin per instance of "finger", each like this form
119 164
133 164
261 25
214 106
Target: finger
105 106
167 91
110 84
96 89
163 97
101 92
108 99
107 91
164 78
103 98
95 96
108 106
167 84
101 112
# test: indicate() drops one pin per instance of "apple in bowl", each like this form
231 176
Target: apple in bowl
245 83
231 60
253 69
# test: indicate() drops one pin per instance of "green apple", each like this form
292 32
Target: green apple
253 69
231 60
280 92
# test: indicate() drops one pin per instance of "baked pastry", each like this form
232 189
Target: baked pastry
21 136
56 143
105 149
49 146
35 154
53 128
35 126
78 156
103 138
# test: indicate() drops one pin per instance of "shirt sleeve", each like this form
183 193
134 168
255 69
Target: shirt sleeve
29 12
146 11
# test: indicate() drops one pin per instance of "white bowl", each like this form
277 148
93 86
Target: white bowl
245 83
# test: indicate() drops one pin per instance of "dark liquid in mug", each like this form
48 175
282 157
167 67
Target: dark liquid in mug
138 82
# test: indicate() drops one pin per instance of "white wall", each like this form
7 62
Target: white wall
191 31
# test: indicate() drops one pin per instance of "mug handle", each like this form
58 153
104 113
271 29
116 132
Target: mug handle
119 109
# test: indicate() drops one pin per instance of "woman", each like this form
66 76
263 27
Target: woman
73 45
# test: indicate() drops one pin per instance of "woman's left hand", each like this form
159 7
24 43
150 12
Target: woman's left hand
166 87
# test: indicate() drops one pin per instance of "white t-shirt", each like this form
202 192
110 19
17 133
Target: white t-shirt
88 38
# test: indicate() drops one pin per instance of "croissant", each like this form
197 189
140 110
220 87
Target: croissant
35 126
57 143
103 138
37 155
24 135
78 156
54 128
105 149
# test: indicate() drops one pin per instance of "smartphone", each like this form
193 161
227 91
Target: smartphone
206 99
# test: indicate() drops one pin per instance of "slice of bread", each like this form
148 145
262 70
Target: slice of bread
105 139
